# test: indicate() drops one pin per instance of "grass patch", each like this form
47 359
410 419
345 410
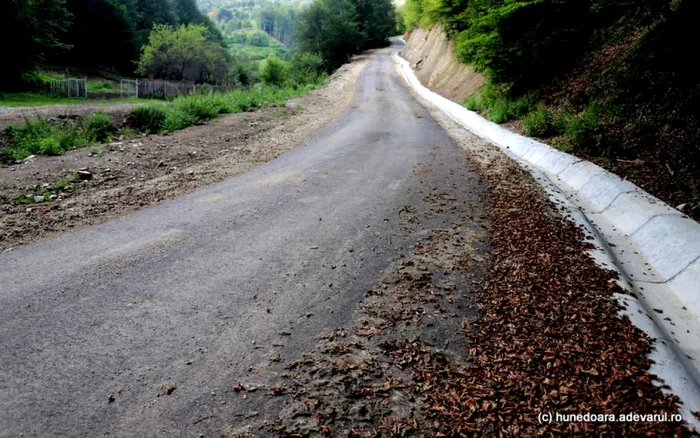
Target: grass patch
498 106
102 87
148 119
196 109
585 132
13 100
41 137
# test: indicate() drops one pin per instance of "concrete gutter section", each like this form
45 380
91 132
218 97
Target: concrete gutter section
655 247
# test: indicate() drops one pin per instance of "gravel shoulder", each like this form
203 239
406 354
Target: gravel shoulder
125 176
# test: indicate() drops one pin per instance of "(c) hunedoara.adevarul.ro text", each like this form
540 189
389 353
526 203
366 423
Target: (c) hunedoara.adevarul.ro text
590 417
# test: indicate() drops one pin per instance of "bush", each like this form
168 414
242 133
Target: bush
274 72
306 68
148 119
498 105
99 128
561 119
585 132
538 123
48 146
40 137
200 108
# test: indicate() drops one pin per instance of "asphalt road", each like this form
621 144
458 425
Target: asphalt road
140 326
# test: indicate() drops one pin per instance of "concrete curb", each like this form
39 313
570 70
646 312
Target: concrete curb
655 247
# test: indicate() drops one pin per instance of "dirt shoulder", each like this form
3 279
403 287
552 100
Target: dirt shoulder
89 186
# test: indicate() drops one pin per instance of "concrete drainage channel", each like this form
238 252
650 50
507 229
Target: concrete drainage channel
655 248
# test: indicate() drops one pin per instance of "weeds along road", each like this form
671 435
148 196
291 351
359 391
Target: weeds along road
140 326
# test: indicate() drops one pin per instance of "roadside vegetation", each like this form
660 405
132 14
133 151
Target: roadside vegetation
42 136
606 79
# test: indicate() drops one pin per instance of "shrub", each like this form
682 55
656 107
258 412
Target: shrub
274 72
199 108
585 132
48 146
499 105
538 123
99 128
40 137
561 120
306 68
148 119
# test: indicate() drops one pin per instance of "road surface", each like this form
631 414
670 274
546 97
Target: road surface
140 326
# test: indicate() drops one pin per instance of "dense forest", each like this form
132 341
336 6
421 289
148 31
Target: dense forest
224 42
91 34
608 80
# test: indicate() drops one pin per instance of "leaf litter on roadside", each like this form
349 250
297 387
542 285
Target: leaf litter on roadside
547 337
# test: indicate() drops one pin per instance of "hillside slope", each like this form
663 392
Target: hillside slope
431 55
607 80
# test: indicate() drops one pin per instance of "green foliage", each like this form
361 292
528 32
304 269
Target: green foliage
149 119
520 43
183 54
104 34
99 128
191 110
497 103
306 68
195 109
32 29
41 137
338 29
538 123
274 72
126 132
101 87
585 132
425 13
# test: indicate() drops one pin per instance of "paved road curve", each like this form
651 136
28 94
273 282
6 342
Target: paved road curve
98 326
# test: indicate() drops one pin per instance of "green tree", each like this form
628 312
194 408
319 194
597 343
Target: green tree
305 67
188 13
338 29
331 29
183 53
376 21
32 29
103 35
274 72
148 13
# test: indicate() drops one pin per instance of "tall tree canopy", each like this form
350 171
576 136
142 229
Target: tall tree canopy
183 53
104 34
338 29
32 29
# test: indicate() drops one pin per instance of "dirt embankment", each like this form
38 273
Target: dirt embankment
431 55
43 196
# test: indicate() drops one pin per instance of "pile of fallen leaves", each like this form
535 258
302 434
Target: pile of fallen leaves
549 339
